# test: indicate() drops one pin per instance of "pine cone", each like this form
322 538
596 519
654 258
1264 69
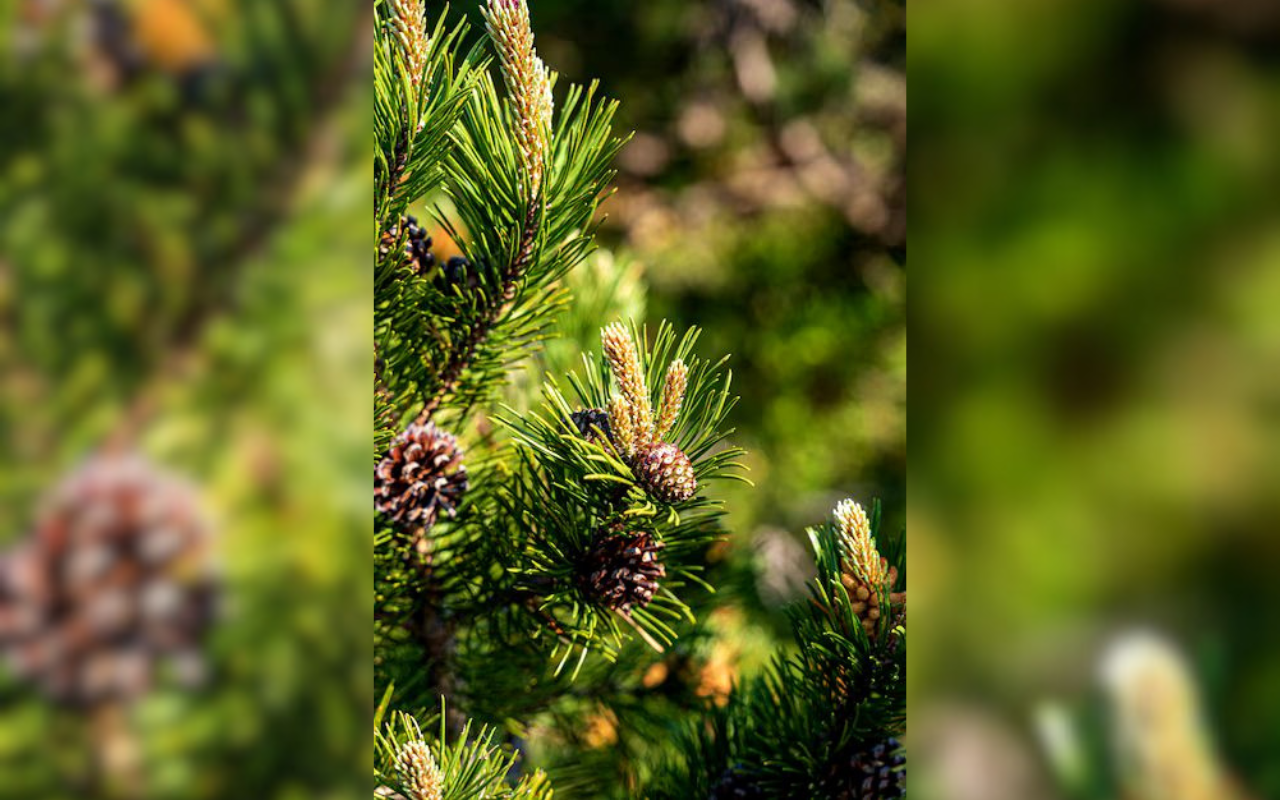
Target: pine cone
417 245
458 272
586 421
665 472
877 772
420 475
115 580
736 785
622 570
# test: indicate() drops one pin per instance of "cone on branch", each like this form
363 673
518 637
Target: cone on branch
621 569
421 475
115 583
875 772
662 468
666 474
416 251
866 574
591 423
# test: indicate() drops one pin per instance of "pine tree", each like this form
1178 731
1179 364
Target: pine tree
536 550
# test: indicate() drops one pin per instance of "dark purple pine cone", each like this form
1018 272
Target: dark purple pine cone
115 582
665 472
458 273
736 785
588 420
876 772
622 570
420 476
417 245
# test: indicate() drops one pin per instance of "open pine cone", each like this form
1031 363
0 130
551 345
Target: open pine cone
421 475
115 581
622 570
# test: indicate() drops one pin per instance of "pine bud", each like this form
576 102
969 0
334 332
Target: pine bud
410 24
622 427
628 374
621 570
665 472
419 773
673 388
528 84
860 555
421 475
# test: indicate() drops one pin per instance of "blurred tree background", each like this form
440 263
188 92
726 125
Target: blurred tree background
1097 439
183 276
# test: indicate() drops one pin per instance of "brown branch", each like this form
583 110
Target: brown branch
460 357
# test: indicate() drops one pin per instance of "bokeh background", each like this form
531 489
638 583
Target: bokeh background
1096 445
185 277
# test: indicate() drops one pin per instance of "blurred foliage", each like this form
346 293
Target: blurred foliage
183 273
1096 416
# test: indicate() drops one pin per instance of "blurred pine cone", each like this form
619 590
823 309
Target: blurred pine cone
665 472
622 570
421 474
115 580
736 785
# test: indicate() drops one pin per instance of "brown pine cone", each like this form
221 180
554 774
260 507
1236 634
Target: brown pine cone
622 570
115 579
421 475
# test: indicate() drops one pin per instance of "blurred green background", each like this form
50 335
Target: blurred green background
184 273
1097 444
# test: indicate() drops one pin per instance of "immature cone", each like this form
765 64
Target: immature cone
622 570
588 421
665 472
419 773
876 772
417 245
115 581
421 475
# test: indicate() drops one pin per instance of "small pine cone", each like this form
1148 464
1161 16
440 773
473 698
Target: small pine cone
877 772
665 472
735 784
417 245
458 273
421 475
116 581
622 570
589 420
